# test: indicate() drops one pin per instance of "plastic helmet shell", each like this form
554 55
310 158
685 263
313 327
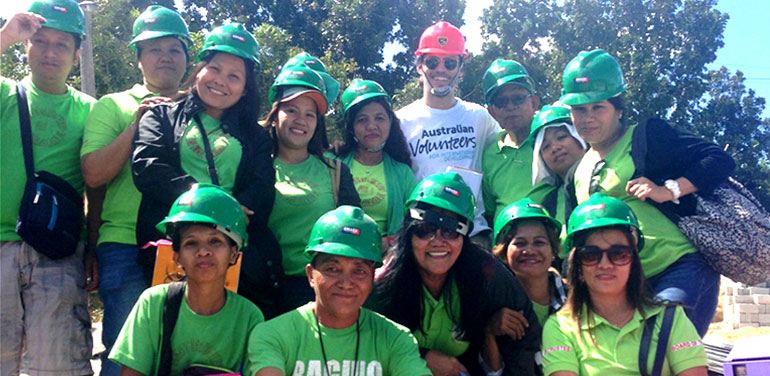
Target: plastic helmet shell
297 75
346 231
505 72
592 76
234 39
549 114
314 63
448 191
525 208
156 22
599 211
208 203
442 38
62 15
360 90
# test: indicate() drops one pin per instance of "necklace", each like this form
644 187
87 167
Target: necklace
323 350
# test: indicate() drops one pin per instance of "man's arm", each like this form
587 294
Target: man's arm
19 28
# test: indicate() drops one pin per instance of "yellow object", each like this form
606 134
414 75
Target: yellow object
167 271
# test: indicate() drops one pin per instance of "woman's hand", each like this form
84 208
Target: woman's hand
145 104
507 322
643 188
444 365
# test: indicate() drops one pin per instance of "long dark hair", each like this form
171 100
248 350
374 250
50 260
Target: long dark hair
245 112
398 291
637 294
395 145
501 249
318 143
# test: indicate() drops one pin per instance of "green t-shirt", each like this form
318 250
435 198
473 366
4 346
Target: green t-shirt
541 311
507 174
227 151
111 115
303 193
371 186
616 351
437 324
290 343
57 122
663 242
218 340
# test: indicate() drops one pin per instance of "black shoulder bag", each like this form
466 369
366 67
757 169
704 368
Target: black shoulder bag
660 350
51 211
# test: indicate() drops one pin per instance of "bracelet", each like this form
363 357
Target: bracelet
673 186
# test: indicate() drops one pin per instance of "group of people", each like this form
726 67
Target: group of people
425 244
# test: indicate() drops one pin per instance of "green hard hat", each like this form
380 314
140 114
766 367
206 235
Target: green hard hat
601 210
346 231
314 63
547 115
63 15
208 203
592 76
296 76
156 22
522 209
504 72
446 190
234 39
361 90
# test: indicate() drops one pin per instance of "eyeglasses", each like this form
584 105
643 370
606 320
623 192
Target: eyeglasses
595 185
618 255
501 101
433 63
428 231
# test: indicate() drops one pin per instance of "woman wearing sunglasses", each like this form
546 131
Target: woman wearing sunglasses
654 168
210 135
307 185
600 329
469 314
376 152
527 240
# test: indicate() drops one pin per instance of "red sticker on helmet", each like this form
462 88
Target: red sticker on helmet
351 230
151 20
592 208
186 200
59 9
452 191
442 41
498 69
238 38
536 206
581 80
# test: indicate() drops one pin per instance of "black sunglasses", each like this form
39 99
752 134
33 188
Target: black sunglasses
618 255
433 62
501 101
428 231
428 222
595 185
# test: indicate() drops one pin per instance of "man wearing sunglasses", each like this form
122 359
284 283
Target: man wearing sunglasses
443 130
507 164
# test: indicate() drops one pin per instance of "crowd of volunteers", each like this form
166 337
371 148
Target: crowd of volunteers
442 238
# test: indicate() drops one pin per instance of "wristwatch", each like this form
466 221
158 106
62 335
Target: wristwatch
673 186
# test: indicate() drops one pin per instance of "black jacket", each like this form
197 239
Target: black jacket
158 173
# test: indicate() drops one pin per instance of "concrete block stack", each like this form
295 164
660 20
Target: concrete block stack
745 306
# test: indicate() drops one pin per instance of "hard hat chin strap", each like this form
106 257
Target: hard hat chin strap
371 150
445 90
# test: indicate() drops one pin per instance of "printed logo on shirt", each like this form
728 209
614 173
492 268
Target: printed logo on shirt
555 349
448 143
337 368
219 142
685 345
48 127
371 191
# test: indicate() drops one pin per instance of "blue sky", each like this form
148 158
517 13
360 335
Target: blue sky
746 46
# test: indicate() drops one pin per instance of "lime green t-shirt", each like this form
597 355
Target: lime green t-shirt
111 115
57 122
226 149
437 325
303 193
218 340
507 174
290 342
371 187
541 311
663 242
616 351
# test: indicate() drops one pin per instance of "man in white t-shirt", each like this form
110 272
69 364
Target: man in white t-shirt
442 130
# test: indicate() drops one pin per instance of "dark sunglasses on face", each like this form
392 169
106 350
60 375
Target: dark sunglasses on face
618 255
428 231
428 222
433 62
501 101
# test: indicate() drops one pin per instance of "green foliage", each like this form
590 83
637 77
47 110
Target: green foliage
12 64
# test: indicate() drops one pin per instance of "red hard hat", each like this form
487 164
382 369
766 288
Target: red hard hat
442 38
